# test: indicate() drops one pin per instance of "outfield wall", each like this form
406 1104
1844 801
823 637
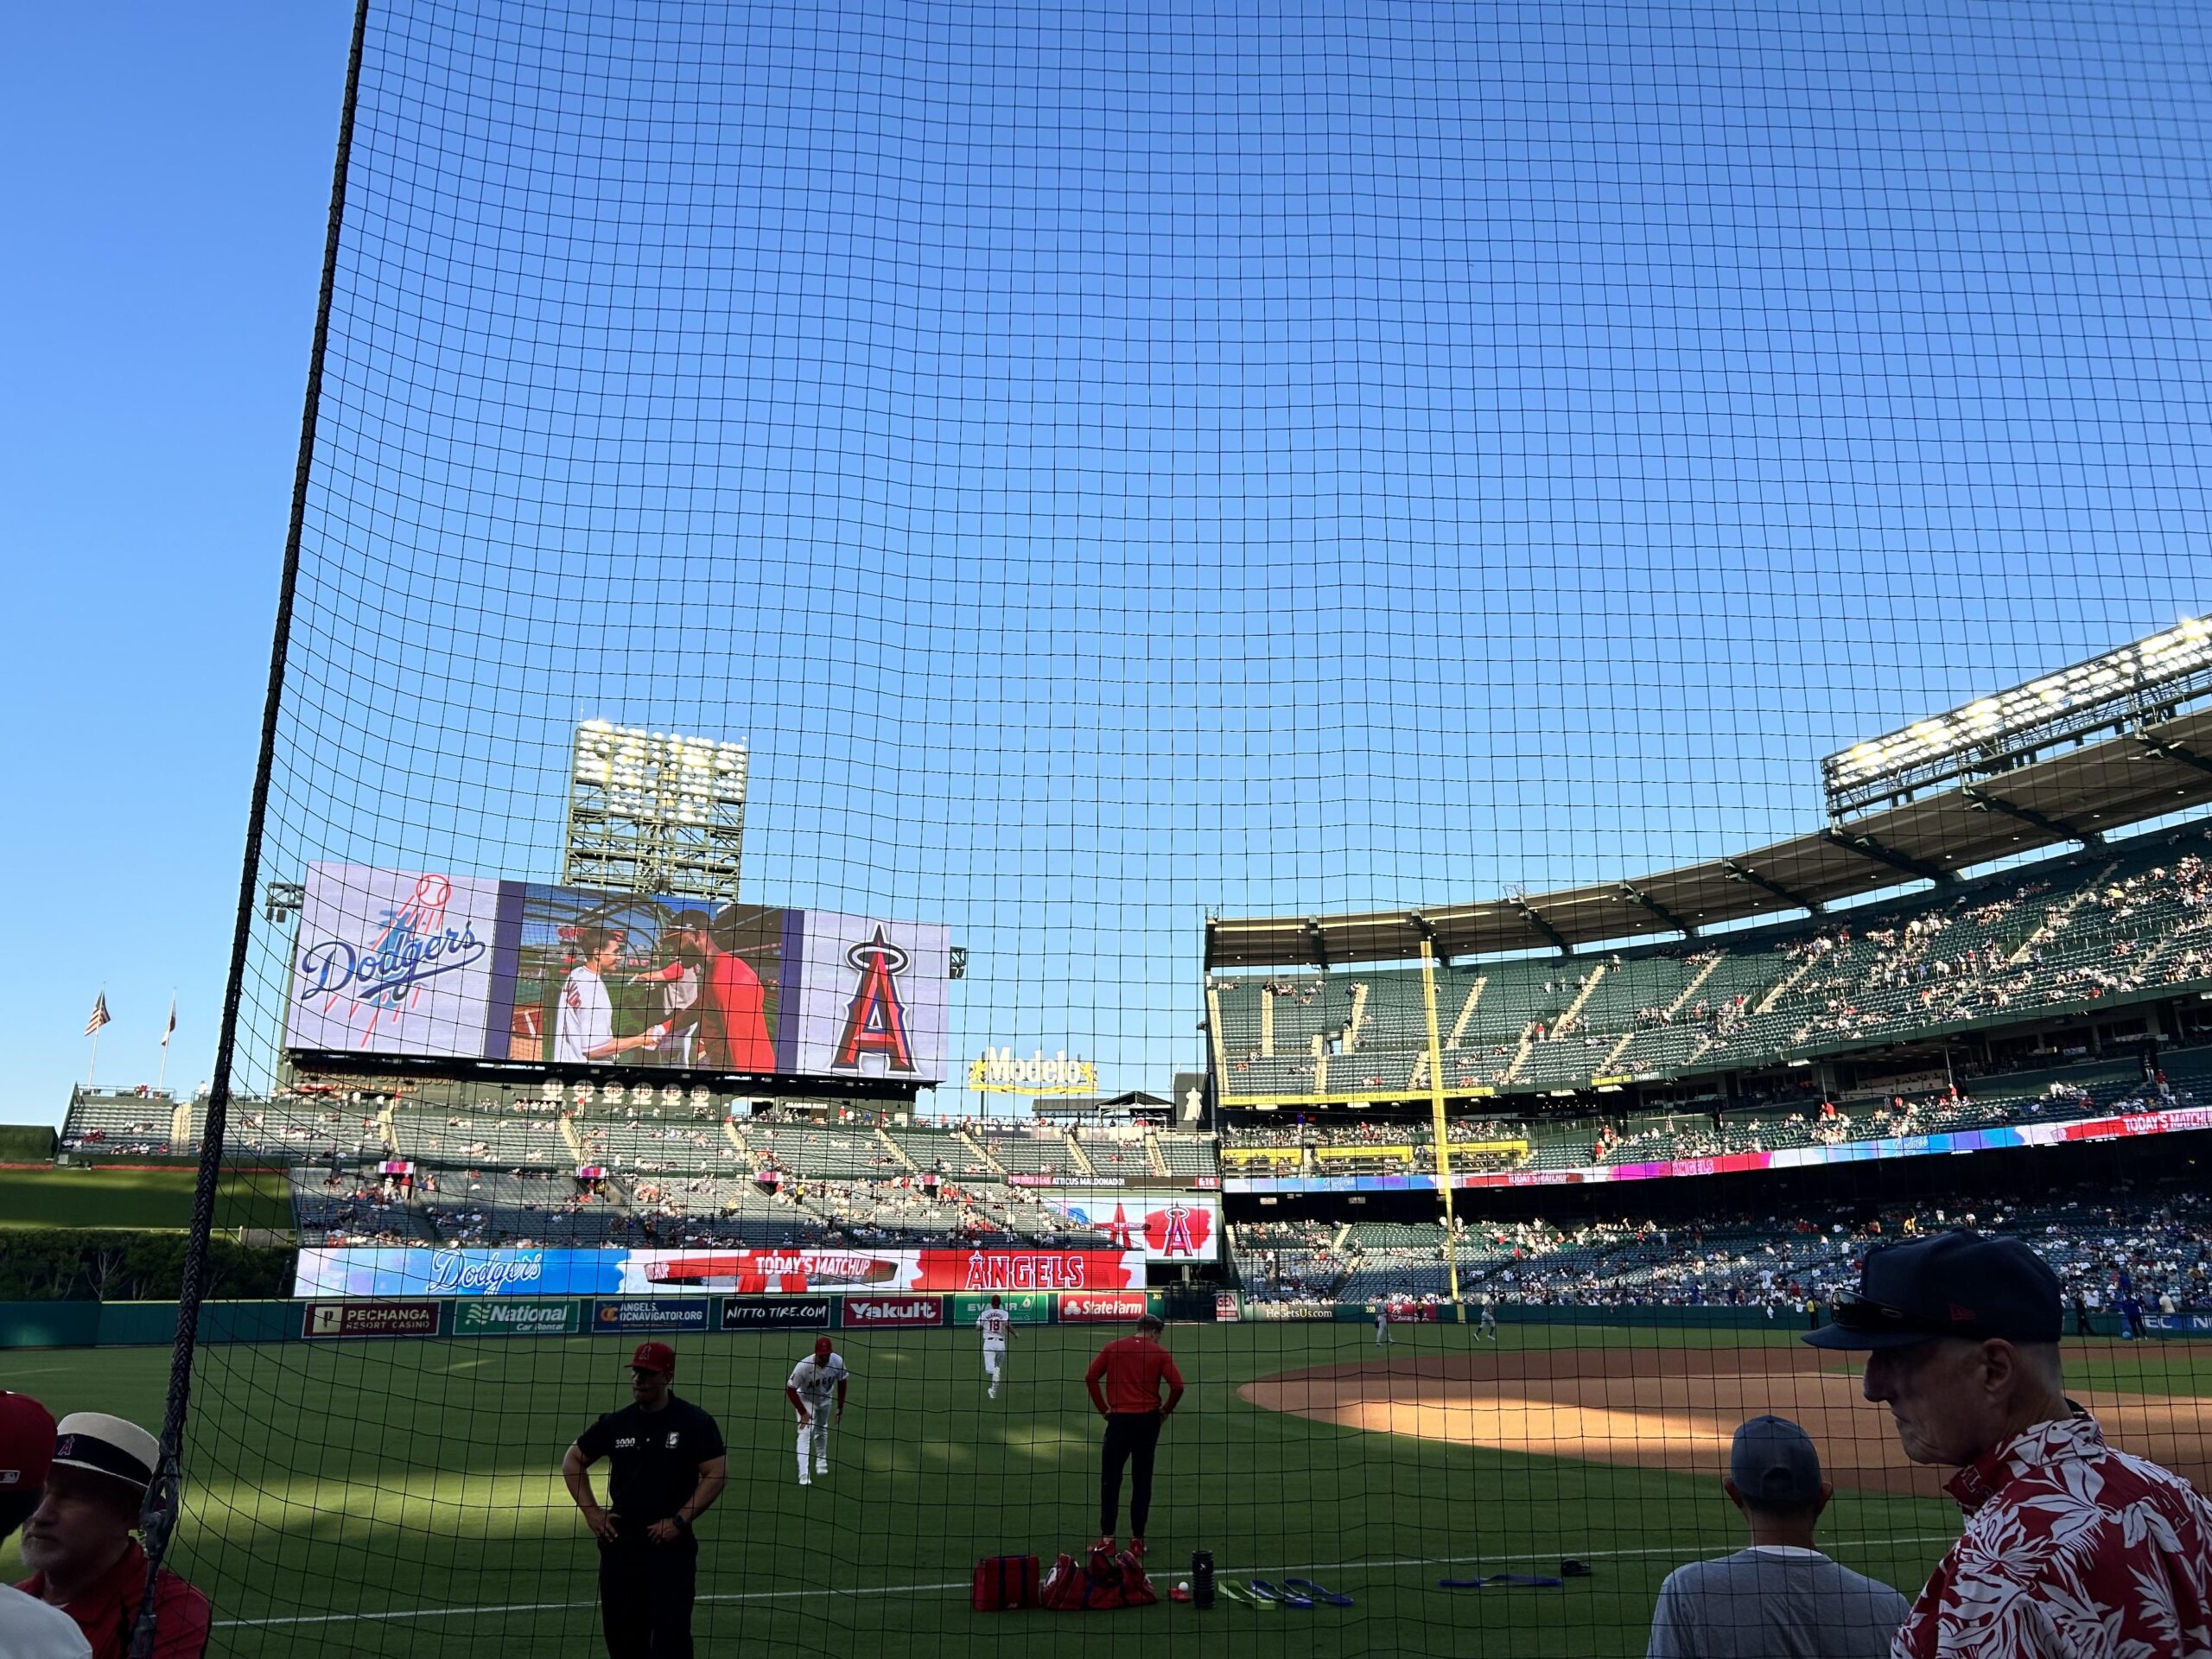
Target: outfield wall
153 1325
140 1325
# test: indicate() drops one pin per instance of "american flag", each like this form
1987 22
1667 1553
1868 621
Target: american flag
100 1015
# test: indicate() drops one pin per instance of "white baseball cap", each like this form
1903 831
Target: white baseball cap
107 1445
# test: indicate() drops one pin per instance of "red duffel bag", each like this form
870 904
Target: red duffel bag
1004 1582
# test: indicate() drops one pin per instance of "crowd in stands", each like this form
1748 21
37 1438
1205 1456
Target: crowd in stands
2160 1239
2113 922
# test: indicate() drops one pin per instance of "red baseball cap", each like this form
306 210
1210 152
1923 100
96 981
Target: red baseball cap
26 1442
654 1356
823 1344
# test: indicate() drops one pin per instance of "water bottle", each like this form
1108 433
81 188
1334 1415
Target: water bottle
1202 1577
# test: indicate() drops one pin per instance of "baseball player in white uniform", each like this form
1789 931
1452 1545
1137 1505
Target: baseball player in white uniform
816 1382
1382 1336
1489 1326
996 1325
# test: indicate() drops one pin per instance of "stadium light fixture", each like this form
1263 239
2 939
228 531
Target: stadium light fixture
2139 685
656 811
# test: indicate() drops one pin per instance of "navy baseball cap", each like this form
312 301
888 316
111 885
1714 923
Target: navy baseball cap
1774 1463
1956 1284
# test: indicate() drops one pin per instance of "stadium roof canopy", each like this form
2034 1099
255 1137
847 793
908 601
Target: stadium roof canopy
2073 796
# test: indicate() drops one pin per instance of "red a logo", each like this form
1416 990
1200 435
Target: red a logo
876 1021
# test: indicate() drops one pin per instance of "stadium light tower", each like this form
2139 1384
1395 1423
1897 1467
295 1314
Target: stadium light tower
655 812
2140 684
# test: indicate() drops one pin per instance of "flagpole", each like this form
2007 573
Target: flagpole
161 1077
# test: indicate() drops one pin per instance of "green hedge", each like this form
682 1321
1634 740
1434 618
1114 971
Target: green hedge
67 1264
26 1143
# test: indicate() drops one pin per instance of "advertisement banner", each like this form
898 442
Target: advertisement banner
2179 1325
1022 1307
424 963
377 1319
339 1272
1101 1307
378 1271
515 1317
1163 1226
2176 1121
862 1312
1026 1270
1228 1308
775 1312
652 1273
667 1313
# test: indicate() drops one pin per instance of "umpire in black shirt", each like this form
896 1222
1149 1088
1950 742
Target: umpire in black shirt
669 1466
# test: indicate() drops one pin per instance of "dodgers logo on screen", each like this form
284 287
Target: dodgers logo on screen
384 976
876 1020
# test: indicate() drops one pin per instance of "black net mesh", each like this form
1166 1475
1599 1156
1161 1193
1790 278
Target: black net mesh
1298 567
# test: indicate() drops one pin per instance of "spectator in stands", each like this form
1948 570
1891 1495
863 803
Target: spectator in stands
78 1546
29 1628
1780 1595
2071 1547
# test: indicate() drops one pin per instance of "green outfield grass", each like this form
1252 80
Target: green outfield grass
402 1498
149 1199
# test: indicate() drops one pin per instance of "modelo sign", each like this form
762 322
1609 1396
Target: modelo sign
1101 1307
864 1311
1000 1071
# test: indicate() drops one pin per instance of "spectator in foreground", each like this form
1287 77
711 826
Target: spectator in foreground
78 1546
2071 1550
1781 1595
29 1628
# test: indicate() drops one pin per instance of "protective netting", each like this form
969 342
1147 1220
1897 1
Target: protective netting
1144 486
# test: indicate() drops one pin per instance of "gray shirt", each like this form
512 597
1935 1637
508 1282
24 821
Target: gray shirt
1771 1603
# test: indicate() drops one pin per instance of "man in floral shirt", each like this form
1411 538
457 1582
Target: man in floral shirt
2071 1550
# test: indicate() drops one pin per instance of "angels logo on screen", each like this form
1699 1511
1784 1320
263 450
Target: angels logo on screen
1177 1230
876 1020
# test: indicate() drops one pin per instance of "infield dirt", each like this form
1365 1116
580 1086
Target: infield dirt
1675 1408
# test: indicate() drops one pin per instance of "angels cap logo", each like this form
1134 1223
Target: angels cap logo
1178 1231
876 1020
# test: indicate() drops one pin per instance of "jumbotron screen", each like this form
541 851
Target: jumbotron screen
440 966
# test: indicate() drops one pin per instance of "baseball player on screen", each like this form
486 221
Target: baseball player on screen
814 1382
583 1023
996 1325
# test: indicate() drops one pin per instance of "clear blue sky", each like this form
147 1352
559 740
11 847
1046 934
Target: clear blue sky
1112 463
166 178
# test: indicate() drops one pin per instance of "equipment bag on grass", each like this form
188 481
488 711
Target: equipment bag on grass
1003 1583
1098 1582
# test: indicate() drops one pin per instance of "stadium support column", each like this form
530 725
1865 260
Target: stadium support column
1436 1120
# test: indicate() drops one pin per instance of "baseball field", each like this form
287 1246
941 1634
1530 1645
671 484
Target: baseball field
401 1496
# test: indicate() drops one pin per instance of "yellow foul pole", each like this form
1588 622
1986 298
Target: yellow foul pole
1436 1113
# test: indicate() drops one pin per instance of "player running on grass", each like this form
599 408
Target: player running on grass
996 1325
815 1380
